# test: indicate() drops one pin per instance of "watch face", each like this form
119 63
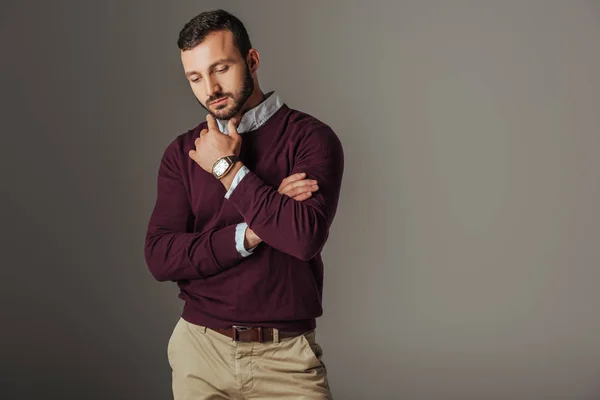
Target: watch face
221 167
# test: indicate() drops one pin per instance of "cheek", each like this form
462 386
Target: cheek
233 83
199 93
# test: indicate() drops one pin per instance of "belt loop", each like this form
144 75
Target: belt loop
275 335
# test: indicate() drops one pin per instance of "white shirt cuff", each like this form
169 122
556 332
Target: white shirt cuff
236 180
240 235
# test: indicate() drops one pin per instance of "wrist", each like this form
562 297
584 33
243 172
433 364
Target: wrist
251 239
227 180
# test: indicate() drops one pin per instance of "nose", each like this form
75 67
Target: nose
212 86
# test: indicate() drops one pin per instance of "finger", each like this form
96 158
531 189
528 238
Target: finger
232 128
236 121
292 178
303 196
203 132
301 189
296 184
296 181
296 188
192 154
212 123
197 142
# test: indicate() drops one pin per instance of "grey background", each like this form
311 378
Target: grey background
464 259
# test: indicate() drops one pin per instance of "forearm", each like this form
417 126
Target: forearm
175 249
296 228
174 255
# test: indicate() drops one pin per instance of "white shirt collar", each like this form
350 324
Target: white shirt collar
256 117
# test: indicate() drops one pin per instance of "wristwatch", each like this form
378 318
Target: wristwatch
223 165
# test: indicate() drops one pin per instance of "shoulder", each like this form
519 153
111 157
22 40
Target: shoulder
309 129
313 139
300 121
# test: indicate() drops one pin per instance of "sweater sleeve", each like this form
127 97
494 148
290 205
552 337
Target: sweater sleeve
173 251
296 228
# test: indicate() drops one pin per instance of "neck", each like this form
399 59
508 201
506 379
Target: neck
255 99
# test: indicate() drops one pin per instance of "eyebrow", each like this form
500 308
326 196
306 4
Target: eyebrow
221 61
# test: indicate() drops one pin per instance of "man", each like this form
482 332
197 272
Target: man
244 205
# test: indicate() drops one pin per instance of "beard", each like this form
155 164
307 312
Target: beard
239 100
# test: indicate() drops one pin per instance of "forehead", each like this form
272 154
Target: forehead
216 46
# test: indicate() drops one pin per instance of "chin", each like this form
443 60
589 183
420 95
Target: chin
224 114
221 115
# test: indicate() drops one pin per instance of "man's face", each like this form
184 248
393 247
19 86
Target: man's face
218 75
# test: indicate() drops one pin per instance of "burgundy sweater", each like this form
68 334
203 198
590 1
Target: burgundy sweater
191 233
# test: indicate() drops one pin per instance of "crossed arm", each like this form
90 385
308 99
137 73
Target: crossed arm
294 186
294 225
173 252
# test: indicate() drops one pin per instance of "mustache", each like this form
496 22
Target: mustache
217 97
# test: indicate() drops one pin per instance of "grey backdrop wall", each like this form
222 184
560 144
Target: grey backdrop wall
464 259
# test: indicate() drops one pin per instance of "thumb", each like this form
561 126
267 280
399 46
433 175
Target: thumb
232 128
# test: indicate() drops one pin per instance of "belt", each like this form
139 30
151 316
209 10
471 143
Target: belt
253 334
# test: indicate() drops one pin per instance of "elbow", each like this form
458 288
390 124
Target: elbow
306 255
313 240
156 271
159 275
156 267
312 247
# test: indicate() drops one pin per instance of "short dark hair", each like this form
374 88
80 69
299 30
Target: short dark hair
199 27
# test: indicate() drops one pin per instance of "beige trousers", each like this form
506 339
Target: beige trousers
209 365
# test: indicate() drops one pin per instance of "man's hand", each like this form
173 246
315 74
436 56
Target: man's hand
251 239
298 188
213 144
294 186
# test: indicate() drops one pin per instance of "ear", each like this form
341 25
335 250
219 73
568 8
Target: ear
253 60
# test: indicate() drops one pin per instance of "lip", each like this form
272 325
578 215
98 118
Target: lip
217 102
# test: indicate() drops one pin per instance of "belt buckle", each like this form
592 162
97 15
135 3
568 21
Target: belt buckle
237 329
